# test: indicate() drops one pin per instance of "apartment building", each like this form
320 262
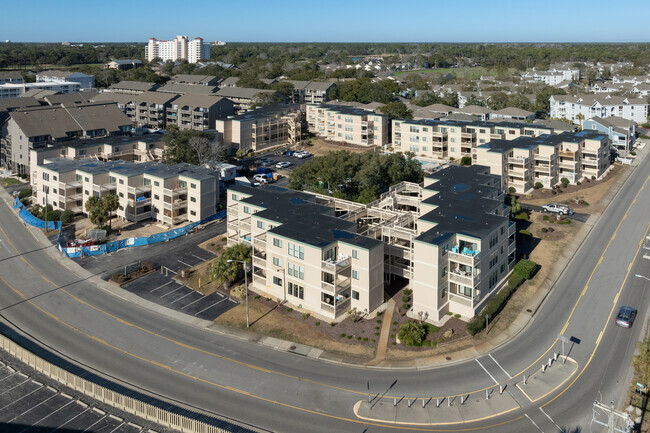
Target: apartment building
512 113
197 80
582 107
12 104
62 77
17 90
263 128
449 239
245 98
30 128
149 109
11 77
310 92
196 89
348 124
180 48
132 87
621 132
547 159
198 112
170 194
124 64
446 139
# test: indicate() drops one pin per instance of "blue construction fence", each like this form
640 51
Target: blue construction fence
32 220
109 247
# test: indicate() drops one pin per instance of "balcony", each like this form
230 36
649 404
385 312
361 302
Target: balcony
518 171
245 224
260 241
337 265
260 262
512 247
464 255
569 165
519 161
512 228
568 154
547 158
335 289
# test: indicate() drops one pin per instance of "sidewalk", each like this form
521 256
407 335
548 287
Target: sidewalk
382 346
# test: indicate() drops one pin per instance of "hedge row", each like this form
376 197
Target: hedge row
523 270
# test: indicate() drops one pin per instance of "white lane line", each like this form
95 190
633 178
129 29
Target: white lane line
193 302
216 303
184 296
175 290
503 369
160 287
529 419
488 373
189 266
200 258
549 417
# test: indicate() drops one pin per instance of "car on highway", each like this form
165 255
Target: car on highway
557 208
283 164
625 317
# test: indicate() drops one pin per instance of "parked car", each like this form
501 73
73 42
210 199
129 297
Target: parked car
282 164
289 152
261 178
557 208
302 154
625 317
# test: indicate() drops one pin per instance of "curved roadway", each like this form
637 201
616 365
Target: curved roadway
278 391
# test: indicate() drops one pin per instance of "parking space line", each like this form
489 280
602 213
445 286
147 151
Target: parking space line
160 287
193 302
6 391
72 419
499 365
175 290
11 375
34 407
95 423
184 296
117 427
48 415
200 258
216 303
179 261
488 373
26 395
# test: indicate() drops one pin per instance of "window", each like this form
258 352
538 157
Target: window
86 179
493 279
86 192
111 179
235 197
444 271
277 242
355 254
425 148
413 148
349 137
355 295
414 139
349 128
193 185
78 178
296 290
414 129
277 281
348 119
156 183
193 213
156 197
453 140
122 195
425 139
147 181
247 209
443 292
261 225
193 199
465 291
277 261
425 129
296 271
503 267
355 275
182 184
296 250
121 181
46 176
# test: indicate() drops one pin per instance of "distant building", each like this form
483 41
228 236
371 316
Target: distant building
245 98
11 77
581 107
621 132
198 80
123 65
180 48
17 90
132 87
310 92
62 77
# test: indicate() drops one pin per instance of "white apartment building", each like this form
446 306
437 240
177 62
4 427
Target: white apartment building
582 107
13 90
63 77
180 48
348 124
448 239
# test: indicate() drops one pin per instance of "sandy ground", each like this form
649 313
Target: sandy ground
121 229
320 147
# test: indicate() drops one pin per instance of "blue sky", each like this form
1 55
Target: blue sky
327 20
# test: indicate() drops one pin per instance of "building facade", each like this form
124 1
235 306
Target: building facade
63 77
582 107
621 132
180 48
348 124
452 246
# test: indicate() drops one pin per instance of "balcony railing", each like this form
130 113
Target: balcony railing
464 258
465 280
335 289
519 161
568 154
336 265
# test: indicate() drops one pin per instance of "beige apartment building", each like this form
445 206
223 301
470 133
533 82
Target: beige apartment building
266 127
198 112
446 139
449 239
348 124
546 159
170 194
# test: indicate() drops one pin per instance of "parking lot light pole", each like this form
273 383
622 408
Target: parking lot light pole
245 284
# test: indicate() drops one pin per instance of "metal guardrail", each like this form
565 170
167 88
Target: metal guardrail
115 399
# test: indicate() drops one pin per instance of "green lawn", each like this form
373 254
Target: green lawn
9 181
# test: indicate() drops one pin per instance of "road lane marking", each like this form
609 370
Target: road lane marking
499 365
549 417
530 419
488 373
160 287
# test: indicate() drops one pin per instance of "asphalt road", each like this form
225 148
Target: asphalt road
290 393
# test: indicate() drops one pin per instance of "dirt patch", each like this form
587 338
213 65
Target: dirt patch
144 269
215 244
588 192
320 147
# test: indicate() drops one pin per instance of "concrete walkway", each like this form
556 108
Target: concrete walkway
382 346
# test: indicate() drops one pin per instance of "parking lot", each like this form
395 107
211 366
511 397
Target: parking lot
27 405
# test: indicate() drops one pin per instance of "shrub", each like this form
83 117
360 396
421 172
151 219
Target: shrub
564 222
379 313
545 218
554 192
431 329
373 340
466 160
593 177
66 217
512 190
525 268
332 323
349 337
412 333
317 324
305 315
257 296
394 342
289 309
405 306
565 182
515 280
395 322
342 335
538 185
408 291
406 298
426 343
449 313
522 216
633 153
457 316
525 233
376 333
578 183
377 327
544 230
585 203
492 308
378 320
358 338
24 193
365 339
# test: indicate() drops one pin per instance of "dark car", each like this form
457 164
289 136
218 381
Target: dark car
625 317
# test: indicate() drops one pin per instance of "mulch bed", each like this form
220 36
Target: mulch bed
120 279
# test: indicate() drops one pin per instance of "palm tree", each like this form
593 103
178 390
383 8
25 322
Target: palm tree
111 203
225 271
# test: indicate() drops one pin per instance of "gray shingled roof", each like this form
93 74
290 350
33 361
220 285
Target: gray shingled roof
202 101
187 88
134 85
241 92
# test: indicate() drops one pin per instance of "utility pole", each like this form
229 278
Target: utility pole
612 416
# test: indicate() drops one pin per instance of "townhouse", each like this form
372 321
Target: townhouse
263 128
621 132
546 159
348 124
449 239
198 112
310 92
29 128
582 107
512 113
447 139
11 77
170 194
197 80
132 87
149 109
